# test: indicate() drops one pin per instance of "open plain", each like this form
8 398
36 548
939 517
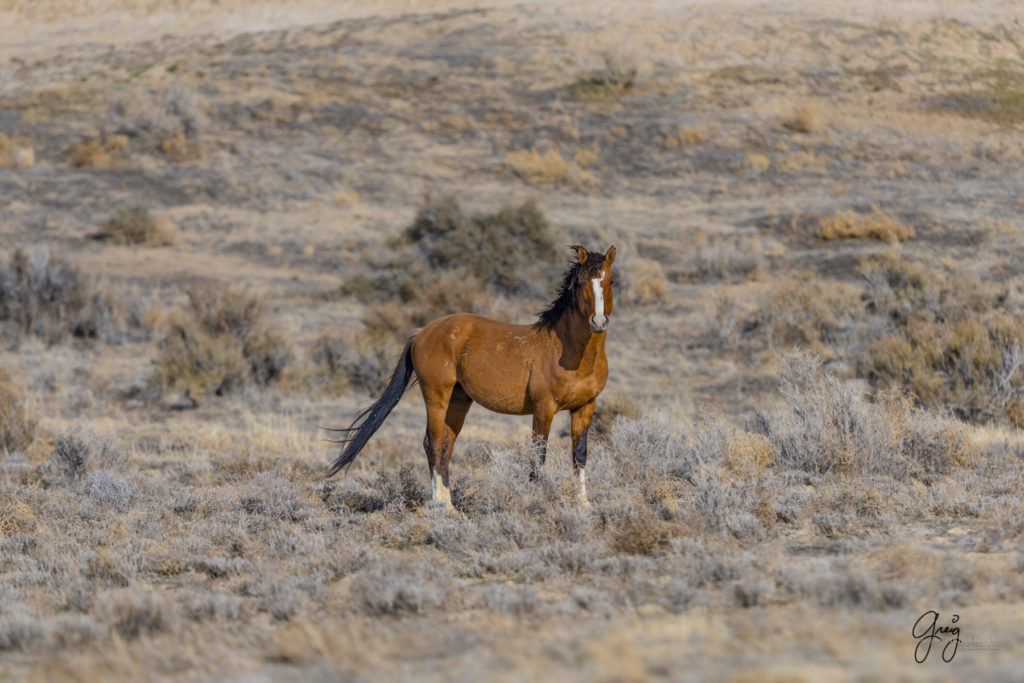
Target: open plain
220 221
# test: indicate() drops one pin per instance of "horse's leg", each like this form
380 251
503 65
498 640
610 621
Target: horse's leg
458 406
580 425
543 414
436 442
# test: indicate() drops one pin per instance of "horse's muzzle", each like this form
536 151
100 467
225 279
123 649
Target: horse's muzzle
598 324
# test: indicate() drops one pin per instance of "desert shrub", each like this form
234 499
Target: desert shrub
508 249
803 119
398 585
81 449
17 420
19 632
389 490
804 311
826 425
723 257
218 343
363 362
110 489
133 224
876 225
944 340
608 409
49 297
170 121
134 613
273 496
645 281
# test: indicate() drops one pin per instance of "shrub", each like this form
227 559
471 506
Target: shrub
218 343
17 420
509 249
827 425
803 119
49 297
110 489
945 340
133 614
81 449
724 257
877 225
170 121
804 311
134 224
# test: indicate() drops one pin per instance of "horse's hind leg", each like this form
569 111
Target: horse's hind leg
446 411
455 416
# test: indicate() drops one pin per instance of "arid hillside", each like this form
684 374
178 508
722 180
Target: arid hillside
220 222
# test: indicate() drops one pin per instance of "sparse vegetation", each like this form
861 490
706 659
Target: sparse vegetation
49 297
133 224
218 343
877 225
744 501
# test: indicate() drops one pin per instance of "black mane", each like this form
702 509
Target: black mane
569 288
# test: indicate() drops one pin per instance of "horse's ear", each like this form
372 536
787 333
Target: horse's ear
609 255
581 254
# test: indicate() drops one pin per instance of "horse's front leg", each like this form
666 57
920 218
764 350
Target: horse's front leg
580 426
543 414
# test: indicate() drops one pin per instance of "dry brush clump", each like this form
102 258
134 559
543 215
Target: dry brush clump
134 224
170 121
948 341
219 342
877 225
18 419
81 449
49 297
831 426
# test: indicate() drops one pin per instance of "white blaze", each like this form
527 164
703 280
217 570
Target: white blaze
598 298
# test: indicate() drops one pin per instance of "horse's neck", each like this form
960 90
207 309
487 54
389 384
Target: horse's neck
581 349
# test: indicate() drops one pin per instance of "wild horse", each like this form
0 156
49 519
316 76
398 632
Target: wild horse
557 363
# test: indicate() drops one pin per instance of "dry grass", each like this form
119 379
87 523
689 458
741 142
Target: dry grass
740 505
219 343
539 167
17 419
49 297
134 224
877 225
803 119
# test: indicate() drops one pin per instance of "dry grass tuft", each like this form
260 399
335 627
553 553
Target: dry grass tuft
877 225
688 135
17 421
134 224
17 152
548 167
804 119
646 283
747 455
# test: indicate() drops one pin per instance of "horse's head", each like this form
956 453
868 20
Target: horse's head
595 291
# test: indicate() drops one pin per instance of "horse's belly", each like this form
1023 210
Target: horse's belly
497 381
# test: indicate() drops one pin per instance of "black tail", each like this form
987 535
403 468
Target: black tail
370 420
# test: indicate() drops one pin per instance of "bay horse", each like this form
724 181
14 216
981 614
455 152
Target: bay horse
557 363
